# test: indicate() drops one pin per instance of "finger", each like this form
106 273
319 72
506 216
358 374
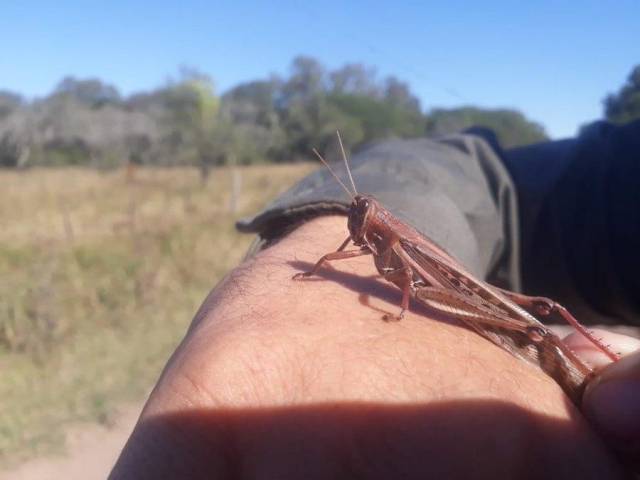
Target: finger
620 344
612 403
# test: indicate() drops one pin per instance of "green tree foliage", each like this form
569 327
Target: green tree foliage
511 126
398 94
315 103
354 79
379 118
255 128
92 92
192 117
624 106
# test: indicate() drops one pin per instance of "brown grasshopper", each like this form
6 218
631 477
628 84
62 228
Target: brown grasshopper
425 271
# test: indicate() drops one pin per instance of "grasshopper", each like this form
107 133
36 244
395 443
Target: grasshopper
424 271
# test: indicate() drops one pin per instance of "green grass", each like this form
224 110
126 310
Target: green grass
100 276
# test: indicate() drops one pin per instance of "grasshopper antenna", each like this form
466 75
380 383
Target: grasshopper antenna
346 164
333 173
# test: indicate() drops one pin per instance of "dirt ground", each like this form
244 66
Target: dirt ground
92 451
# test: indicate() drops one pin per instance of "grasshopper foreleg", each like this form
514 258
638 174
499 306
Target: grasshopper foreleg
339 254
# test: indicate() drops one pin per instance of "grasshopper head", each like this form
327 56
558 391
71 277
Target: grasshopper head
359 213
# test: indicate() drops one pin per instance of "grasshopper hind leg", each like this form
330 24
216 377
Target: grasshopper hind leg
545 307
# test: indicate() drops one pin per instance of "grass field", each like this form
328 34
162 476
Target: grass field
100 274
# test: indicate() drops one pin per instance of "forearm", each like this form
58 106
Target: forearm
281 376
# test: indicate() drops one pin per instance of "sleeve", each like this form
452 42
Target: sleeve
580 216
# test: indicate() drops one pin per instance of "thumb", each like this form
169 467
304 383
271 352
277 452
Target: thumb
612 404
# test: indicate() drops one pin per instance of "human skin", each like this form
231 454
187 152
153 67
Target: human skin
279 378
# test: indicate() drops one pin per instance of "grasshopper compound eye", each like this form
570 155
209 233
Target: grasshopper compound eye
363 206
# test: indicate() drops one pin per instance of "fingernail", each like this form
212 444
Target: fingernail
619 343
612 400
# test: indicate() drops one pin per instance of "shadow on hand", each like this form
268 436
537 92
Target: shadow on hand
461 439
371 286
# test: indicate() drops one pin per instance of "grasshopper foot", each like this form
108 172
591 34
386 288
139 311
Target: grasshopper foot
300 275
388 317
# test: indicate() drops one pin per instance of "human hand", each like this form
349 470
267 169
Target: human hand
301 379
611 401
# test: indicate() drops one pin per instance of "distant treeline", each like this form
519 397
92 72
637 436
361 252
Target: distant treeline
88 122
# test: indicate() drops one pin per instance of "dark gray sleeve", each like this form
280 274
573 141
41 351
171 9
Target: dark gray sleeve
454 189
580 216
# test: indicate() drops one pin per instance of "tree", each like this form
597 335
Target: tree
511 127
379 118
354 79
300 104
10 151
92 91
257 130
398 93
193 113
253 103
15 135
86 121
624 106
306 83
9 102
313 104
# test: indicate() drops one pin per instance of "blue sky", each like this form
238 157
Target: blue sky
553 60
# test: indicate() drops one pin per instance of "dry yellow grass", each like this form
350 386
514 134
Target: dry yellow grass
99 278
